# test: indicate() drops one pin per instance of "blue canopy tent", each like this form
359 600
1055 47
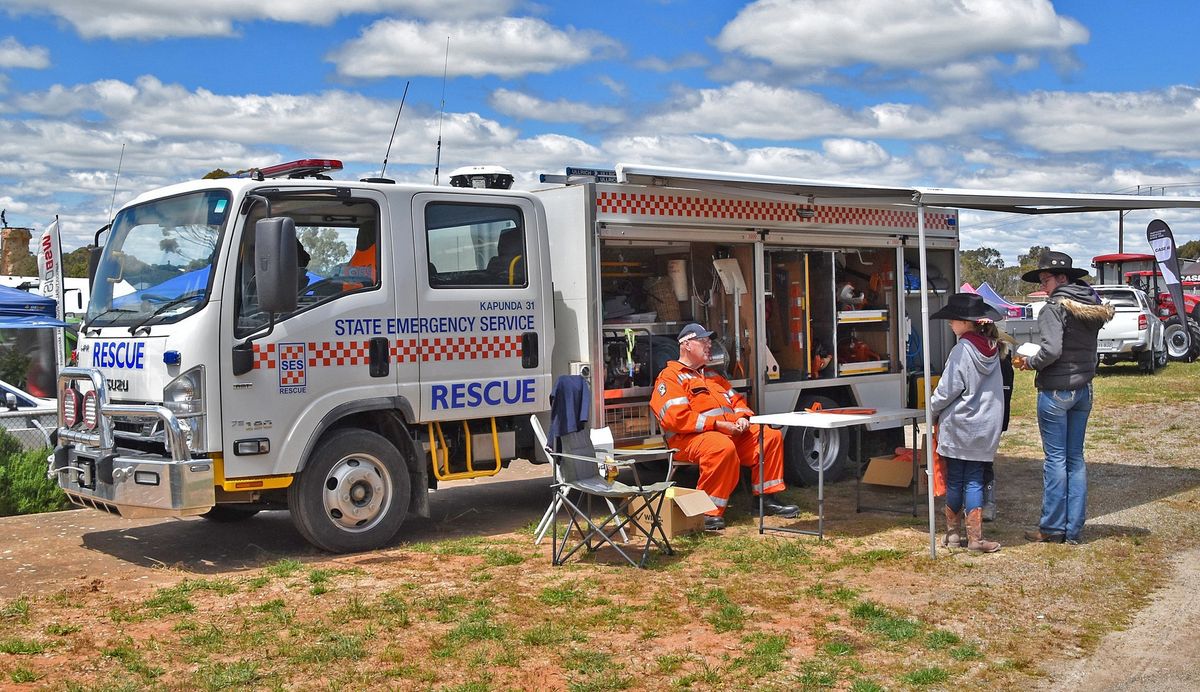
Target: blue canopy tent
24 310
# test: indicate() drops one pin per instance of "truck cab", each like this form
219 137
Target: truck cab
334 348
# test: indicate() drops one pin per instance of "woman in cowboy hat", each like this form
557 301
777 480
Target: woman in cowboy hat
1066 363
968 406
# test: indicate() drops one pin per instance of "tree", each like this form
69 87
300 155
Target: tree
986 264
326 250
980 264
75 262
1029 260
1190 249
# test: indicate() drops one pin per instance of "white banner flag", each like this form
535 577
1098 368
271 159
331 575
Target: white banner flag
50 276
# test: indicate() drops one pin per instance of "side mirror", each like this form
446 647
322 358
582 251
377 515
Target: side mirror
275 264
10 400
93 263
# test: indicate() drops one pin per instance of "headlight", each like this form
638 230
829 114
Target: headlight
185 394
184 397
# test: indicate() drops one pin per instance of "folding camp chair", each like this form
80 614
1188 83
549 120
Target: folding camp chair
580 473
602 440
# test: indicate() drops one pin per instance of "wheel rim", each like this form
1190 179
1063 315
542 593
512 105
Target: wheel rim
820 448
355 494
1176 342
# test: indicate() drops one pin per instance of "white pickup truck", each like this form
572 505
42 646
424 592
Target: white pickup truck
1134 334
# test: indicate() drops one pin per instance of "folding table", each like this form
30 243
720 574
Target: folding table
828 421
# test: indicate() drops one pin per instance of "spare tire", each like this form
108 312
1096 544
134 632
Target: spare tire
806 450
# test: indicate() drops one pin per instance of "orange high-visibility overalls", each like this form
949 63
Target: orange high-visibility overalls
688 403
361 266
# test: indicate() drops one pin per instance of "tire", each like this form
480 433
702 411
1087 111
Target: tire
808 449
1177 347
1145 361
353 494
228 514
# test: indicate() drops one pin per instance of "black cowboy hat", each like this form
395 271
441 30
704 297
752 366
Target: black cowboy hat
1055 263
967 306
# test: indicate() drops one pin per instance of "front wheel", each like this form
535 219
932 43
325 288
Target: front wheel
354 493
1178 346
806 450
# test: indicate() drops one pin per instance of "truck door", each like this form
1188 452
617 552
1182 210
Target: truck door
333 353
483 302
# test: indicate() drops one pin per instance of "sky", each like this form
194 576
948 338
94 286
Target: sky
101 100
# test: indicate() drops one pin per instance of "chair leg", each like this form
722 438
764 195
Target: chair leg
544 525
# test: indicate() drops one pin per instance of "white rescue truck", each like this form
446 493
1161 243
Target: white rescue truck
338 348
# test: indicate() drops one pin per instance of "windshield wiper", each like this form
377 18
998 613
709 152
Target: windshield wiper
163 308
90 324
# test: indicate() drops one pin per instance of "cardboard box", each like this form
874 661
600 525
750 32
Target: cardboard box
887 470
682 511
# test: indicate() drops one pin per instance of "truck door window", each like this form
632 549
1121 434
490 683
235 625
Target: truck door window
473 245
338 255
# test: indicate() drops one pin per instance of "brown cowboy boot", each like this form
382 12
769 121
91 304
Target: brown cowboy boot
954 528
975 540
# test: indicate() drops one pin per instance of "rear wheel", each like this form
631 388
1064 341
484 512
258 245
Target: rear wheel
1178 346
806 450
354 493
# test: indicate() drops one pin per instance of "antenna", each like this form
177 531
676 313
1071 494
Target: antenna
438 164
115 181
388 153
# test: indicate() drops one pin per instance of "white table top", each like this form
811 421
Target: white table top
805 419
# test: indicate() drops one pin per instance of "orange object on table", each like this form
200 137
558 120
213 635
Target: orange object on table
817 408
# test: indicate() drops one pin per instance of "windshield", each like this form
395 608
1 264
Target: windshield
157 264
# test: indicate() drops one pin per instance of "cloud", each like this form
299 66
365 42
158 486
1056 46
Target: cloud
685 61
13 54
894 34
155 19
506 47
752 110
521 105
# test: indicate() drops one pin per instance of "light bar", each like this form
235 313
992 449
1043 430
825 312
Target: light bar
301 168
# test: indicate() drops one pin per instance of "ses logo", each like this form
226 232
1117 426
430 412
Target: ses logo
293 359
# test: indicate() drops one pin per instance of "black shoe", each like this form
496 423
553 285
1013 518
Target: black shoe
712 523
1037 536
774 508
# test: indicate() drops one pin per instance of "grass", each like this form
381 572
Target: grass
864 610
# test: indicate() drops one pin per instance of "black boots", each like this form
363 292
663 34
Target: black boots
773 507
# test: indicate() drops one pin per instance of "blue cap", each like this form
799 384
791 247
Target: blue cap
693 331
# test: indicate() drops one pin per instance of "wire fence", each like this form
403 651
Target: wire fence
32 430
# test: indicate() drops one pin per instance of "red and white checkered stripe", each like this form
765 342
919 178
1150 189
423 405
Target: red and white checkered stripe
264 356
646 204
327 353
882 218
470 348
660 205
335 353
291 377
406 350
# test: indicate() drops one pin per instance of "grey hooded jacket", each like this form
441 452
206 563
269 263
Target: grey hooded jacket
1069 323
968 404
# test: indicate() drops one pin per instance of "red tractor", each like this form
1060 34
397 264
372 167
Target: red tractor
1141 271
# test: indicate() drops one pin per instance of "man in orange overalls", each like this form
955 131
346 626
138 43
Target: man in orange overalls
707 420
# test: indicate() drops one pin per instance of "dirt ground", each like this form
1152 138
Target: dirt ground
1144 520
85 550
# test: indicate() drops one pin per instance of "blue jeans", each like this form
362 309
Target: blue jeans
964 484
1062 419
